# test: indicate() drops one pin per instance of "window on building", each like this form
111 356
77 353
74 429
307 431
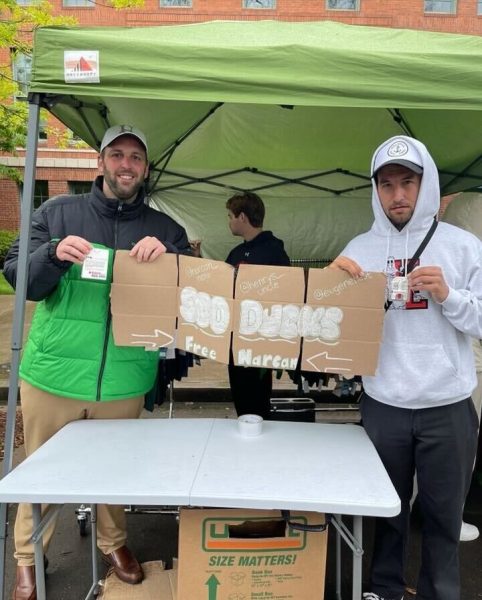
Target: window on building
22 71
41 192
440 6
176 3
271 4
80 187
42 128
77 3
343 4
479 7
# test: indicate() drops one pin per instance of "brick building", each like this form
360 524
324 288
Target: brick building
71 168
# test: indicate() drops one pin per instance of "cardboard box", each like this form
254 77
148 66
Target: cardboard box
144 301
268 301
343 322
205 307
158 584
249 555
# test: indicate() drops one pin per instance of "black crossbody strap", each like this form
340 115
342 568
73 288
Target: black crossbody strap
412 262
421 248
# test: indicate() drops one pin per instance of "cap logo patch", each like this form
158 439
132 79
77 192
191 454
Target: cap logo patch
397 149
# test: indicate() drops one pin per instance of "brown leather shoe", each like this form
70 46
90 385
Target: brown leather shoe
125 565
25 588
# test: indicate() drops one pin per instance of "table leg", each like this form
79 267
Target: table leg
39 526
93 521
39 554
357 558
338 561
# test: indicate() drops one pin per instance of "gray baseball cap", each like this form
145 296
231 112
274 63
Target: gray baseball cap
118 130
398 151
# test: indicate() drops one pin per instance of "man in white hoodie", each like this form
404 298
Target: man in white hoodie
417 408
465 211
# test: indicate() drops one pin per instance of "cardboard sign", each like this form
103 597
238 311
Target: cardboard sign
205 307
249 554
268 301
144 301
342 322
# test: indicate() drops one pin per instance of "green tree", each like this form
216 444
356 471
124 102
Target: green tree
17 26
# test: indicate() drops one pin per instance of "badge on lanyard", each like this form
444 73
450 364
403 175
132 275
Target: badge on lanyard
399 289
95 264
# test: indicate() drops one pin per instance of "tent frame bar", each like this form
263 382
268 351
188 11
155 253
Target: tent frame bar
50 100
463 173
19 310
401 121
166 157
280 180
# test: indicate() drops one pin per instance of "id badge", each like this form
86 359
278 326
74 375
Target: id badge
96 264
399 289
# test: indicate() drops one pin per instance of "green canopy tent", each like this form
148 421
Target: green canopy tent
291 110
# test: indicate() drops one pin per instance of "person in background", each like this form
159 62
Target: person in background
71 368
465 211
417 408
251 387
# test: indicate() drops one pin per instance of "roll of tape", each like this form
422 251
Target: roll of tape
250 425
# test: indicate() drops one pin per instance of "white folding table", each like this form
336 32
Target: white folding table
327 468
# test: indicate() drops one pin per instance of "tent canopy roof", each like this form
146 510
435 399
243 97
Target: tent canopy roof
271 62
259 105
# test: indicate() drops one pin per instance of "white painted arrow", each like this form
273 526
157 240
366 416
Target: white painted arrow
153 345
325 356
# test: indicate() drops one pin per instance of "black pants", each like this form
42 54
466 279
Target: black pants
438 444
251 390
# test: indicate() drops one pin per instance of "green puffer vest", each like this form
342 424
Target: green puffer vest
70 350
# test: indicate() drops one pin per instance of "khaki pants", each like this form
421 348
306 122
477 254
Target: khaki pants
43 415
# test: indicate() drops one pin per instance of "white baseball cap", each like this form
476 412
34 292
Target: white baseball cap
398 151
118 130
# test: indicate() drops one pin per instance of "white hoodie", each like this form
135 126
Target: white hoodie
426 355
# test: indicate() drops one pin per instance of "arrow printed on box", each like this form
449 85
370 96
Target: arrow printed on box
321 359
212 583
161 339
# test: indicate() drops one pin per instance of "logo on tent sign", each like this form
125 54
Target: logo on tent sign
81 66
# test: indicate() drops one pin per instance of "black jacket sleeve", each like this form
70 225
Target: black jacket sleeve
179 242
166 230
44 269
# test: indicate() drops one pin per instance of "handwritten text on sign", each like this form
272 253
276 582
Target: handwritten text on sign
271 312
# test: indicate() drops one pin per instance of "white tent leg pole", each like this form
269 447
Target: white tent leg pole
19 312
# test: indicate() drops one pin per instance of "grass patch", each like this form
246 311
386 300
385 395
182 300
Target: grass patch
5 287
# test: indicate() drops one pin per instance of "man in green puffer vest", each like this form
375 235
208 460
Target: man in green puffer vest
71 368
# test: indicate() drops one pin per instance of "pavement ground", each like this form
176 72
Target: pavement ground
205 393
